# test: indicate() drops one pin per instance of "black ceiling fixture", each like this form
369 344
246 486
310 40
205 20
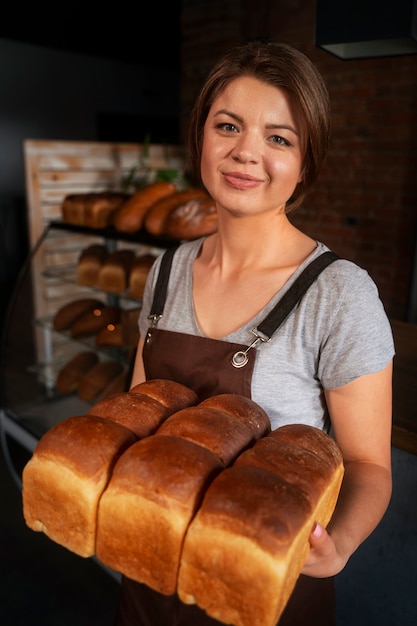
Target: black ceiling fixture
355 29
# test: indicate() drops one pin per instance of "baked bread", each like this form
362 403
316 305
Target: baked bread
119 384
139 273
129 218
110 335
89 264
156 217
256 518
155 489
136 411
171 394
91 323
242 408
94 210
67 314
66 476
221 433
70 374
97 379
114 273
193 219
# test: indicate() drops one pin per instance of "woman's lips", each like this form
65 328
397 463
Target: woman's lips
241 181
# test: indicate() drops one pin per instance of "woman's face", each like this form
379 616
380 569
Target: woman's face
253 148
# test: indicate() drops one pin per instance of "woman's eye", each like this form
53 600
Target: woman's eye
280 140
227 127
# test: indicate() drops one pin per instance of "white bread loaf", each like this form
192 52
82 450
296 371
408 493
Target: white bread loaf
144 513
66 476
245 548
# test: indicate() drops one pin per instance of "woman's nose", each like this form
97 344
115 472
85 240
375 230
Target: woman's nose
247 148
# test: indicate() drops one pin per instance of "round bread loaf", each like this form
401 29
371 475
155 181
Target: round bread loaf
193 219
156 218
129 217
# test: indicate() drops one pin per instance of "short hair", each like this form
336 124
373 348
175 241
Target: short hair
281 66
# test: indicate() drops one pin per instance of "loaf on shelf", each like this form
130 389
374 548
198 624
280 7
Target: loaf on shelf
97 379
69 313
156 217
94 210
192 219
115 271
93 322
70 374
129 217
90 262
139 273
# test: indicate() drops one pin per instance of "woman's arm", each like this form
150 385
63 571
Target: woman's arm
361 415
138 375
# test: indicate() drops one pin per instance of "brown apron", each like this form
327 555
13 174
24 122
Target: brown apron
205 365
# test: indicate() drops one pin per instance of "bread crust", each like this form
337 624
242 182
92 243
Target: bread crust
66 315
64 480
156 218
192 219
70 374
129 217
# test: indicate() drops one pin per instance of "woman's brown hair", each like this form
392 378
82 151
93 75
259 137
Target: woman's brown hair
281 66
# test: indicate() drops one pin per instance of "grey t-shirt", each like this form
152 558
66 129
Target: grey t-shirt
338 332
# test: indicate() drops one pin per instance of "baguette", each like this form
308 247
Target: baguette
129 217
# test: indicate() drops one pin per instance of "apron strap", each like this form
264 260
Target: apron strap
278 314
294 294
161 286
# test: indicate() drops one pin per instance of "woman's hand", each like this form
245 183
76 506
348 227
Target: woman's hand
323 559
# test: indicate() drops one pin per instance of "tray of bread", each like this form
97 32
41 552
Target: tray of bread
197 498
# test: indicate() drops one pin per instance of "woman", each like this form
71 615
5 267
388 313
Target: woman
257 137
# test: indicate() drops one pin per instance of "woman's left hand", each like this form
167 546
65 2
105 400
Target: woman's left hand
323 559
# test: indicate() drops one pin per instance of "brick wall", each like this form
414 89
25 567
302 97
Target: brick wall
364 205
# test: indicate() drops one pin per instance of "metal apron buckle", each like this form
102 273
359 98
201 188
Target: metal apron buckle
240 358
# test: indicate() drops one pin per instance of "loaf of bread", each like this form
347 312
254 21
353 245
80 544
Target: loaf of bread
144 513
225 429
139 273
70 374
193 219
110 335
136 411
91 323
97 379
129 217
245 547
156 217
89 264
66 476
114 273
67 314
119 384
95 210
171 394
